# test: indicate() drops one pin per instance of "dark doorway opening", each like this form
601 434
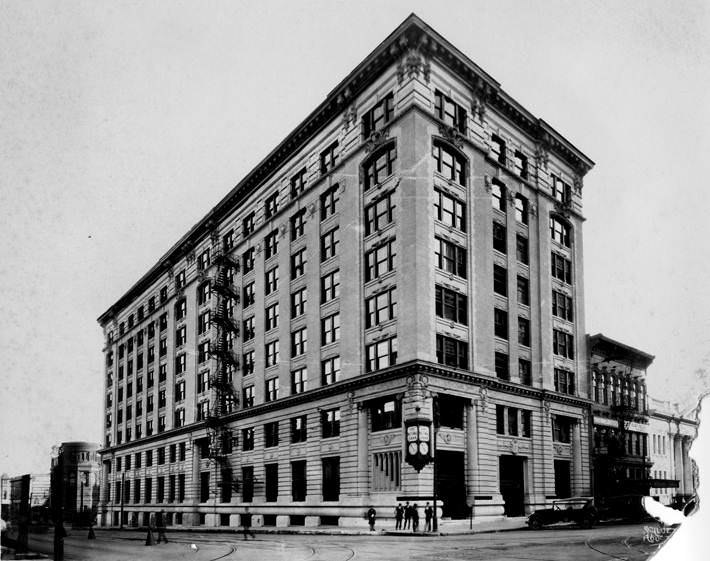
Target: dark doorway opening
450 483
563 480
512 484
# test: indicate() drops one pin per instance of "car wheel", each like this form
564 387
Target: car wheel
587 523
535 523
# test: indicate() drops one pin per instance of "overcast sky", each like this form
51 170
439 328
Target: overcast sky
123 123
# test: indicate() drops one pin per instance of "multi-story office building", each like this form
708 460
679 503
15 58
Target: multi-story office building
400 279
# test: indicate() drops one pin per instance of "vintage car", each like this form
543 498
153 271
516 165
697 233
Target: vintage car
578 510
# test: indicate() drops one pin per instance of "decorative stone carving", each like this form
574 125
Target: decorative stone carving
510 196
349 116
283 230
532 209
376 139
387 439
413 64
452 134
546 408
487 183
312 209
577 183
191 258
484 399
542 154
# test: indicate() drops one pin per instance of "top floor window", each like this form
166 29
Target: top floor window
449 111
560 231
378 116
203 261
449 163
180 280
248 224
271 205
228 240
379 166
561 191
498 193
298 183
329 158
521 164
498 148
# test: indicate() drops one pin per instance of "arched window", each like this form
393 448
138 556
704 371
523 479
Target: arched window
379 166
498 194
521 209
449 162
560 231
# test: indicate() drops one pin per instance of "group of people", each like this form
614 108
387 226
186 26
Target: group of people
408 516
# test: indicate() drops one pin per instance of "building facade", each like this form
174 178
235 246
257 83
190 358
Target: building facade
400 280
76 475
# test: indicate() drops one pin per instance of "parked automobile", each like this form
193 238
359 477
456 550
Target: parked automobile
622 507
577 510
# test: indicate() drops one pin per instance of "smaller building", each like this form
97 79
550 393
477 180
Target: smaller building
673 473
621 460
26 498
76 465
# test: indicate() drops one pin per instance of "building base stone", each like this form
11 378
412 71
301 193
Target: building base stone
257 520
282 521
235 520
312 521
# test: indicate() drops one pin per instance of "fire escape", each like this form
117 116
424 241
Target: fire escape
223 398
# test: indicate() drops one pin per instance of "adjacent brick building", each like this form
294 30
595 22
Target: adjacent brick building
409 256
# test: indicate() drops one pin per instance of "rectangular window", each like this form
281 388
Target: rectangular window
561 429
299 380
331 479
523 291
330 286
203 322
271 434
163 347
500 323
272 389
330 423
451 305
203 296
248 363
524 372
564 381
500 242
381 307
298 183
329 202
271 482
450 257
271 278
498 148
379 214
248 439
203 410
447 110
299 429
561 191
298 224
381 354
272 353
248 328
380 260
299 342
203 260
560 231
272 317
203 381
180 309
329 244
386 414
248 396
298 303
501 366
330 329
500 280
180 390
450 210
298 263
562 305
203 352
248 224
248 260
498 195
451 352
521 164
180 336
271 205
247 483
561 268
298 481
380 165
524 331
329 158
330 370
377 117
228 240
271 244
449 163
562 343
521 249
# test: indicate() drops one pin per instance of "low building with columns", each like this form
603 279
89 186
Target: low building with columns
388 308
673 472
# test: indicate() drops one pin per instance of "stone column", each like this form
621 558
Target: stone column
471 451
363 484
577 477
687 466
195 482
678 464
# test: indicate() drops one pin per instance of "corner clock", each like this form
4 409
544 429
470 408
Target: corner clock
418 443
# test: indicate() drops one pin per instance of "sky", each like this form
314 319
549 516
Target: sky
123 123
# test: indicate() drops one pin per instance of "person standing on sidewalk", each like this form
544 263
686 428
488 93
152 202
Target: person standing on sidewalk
371 514
160 524
398 515
407 515
428 515
415 518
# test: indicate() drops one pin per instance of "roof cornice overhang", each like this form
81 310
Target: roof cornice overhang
618 351
412 35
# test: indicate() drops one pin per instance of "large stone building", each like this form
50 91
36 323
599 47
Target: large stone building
401 277
76 471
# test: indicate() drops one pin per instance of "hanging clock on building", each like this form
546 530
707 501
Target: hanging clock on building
418 443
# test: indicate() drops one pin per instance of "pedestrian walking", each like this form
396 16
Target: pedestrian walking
398 515
415 518
371 515
407 515
160 525
246 523
428 515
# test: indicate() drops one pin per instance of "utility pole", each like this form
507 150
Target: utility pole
435 423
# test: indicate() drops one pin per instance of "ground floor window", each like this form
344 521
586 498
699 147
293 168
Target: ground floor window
271 482
563 488
331 479
298 480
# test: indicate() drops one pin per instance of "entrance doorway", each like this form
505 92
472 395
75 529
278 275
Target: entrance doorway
512 484
450 483
563 481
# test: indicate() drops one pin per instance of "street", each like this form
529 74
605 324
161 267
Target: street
605 542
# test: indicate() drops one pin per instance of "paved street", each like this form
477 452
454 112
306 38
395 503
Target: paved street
609 542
